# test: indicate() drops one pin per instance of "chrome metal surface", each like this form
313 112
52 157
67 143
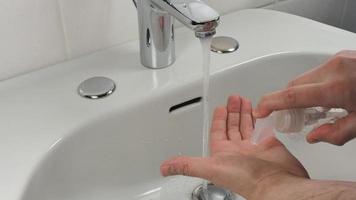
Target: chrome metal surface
194 14
223 44
212 192
96 88
156 27
205 34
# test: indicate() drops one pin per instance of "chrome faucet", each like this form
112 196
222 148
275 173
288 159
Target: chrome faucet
156 27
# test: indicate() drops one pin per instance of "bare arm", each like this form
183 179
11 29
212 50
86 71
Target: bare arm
296 188
332 190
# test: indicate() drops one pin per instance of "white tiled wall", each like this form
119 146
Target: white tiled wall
37 33
31 35
95 24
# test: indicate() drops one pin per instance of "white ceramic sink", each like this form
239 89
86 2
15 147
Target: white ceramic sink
56 145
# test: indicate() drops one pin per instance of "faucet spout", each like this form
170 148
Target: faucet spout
156 27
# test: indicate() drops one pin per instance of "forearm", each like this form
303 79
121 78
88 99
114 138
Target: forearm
329 190
293 188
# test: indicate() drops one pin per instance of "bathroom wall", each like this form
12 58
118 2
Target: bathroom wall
326 11
95 24
349 17
39 33
31 35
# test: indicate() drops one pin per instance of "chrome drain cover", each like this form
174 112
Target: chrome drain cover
212 193
96 87
223 44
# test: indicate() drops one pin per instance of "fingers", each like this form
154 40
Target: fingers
328 94
326 85
246 122
313 76
318 74
322 72
233 122
188 166
240 120
218 127
337 133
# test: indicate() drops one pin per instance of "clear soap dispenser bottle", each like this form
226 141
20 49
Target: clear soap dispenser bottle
295 121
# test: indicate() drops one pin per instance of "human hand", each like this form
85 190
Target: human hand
235 163
331 85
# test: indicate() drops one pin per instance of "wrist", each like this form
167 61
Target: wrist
287 186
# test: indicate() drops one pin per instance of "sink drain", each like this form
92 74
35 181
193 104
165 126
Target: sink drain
223 44
212 192
96 88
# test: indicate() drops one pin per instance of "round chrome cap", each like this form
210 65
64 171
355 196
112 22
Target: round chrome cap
96 87
212 192
223 44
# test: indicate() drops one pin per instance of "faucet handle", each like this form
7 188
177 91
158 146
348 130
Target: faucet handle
195 14
195 10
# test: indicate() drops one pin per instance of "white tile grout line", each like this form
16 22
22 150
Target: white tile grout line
342 20
64 31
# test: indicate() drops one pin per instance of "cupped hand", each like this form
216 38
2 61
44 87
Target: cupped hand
331 85
235 163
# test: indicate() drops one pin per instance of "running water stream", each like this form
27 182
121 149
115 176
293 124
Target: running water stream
205 43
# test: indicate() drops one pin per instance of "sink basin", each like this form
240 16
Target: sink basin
56 145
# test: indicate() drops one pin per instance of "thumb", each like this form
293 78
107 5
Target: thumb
338 133
188 166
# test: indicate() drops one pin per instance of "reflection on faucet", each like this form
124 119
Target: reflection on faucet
161 78
157 30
